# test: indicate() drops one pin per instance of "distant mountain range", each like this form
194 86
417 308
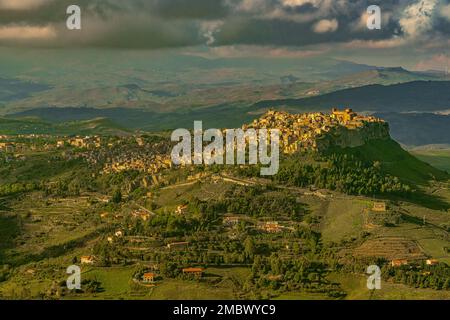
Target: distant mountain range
175 95
14 89
415 96
415 129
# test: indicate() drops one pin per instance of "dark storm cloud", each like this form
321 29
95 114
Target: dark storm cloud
289 33
188 9
171 23
54 10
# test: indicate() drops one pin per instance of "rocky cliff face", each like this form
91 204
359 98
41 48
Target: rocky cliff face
343 137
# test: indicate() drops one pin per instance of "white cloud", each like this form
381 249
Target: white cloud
208 29
239 51
418 18
22 4
326 26
295 3
376 44
26 33
445 11
250 5
436 62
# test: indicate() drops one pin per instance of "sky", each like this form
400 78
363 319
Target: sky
414 34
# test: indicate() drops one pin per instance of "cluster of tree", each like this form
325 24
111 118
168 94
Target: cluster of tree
421 276
253 201
277 273
4 272
165 225
108 254
415 275
196 257
91 286
343 173
15 188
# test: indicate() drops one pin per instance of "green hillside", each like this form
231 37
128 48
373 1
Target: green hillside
397 161
439 158
99 126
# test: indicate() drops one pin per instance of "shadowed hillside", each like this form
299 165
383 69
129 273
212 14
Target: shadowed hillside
410 96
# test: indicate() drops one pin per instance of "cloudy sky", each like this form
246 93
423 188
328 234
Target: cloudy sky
414 33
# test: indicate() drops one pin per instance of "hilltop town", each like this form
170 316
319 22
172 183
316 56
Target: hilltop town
315 131
318 131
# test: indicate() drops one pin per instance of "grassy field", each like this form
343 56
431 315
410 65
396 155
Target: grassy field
356 288
116 283
439 158
182 290
430 240
302 296
47 223
343 219
174 195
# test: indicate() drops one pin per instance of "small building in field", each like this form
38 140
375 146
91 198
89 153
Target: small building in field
230 221
275 277
379 207
148 277
399 262
431 262
77 142
198 272
7 147
30 271
181 209
119 233
87 259
178 245
104 215
271 227
141 214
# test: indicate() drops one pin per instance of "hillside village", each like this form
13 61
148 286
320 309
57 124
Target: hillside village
318 131
299 132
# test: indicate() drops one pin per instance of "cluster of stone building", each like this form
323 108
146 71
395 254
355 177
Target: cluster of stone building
151 164
299 132
124 154
88 142
22 143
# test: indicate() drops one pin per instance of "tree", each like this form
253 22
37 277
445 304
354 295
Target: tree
249 248
117 196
